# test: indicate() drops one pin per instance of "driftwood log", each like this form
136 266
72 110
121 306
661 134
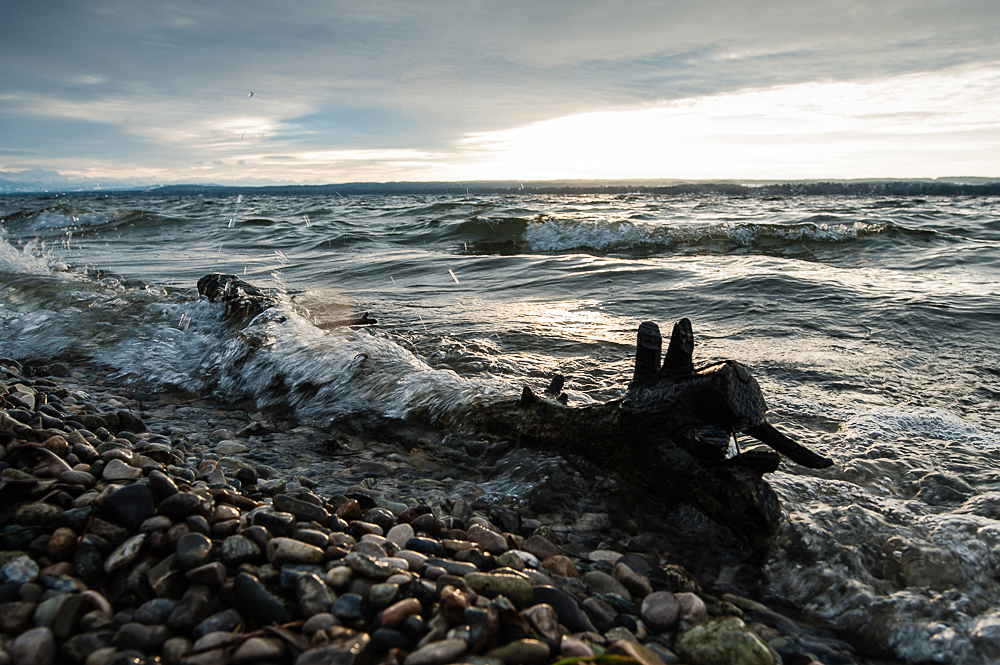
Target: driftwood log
244 301
672 434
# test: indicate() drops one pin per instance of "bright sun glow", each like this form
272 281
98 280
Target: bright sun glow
909 126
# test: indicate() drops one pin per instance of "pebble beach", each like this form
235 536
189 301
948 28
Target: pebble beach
143 529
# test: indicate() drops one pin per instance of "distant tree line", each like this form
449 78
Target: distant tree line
479 188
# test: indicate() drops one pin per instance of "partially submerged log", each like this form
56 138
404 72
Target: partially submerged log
671 434
243 300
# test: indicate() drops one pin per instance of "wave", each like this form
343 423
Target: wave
559 235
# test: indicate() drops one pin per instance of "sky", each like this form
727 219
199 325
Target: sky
324 91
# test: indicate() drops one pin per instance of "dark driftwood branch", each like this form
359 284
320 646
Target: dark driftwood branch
243 300
670 433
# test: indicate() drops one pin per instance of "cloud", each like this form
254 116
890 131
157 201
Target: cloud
153 80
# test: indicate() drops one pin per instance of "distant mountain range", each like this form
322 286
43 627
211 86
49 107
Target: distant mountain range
39 181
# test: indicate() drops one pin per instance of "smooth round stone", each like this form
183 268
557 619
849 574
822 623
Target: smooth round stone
313 537
603 583
428 524
254 598
638 584
562 566
602 614
230 447
213 574
541 547
198 524
258 649
415 559
161 484
660 611
321 621
142 637
724 640
369 567
397 613
382 595
338 577
154 611
381 516
490 541
460 568
437 653
20 570
237 550
277 523
359 528
313 595
545 620
692 608
174 649
119 470
400 534
226 620
130 506
78 477
224 529
368 548
352 651
197 604
193 550
571 647
517 589
34 647
426 546
125 554
566 607
184 504
349 607
388 638
523 652
155 523
287 550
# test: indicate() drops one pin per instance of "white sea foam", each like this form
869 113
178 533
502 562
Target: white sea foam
552 235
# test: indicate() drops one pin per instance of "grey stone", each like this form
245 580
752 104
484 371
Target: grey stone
660 611
125 553
722 641
198 603
193 550
130 506
522 652
603 583
237 550
225 621
566 607
437 653
142 637
257 602
313 596
34 647
355 650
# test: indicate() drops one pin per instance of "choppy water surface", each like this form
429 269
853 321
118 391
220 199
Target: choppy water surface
870 323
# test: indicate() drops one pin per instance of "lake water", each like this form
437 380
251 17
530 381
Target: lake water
870 322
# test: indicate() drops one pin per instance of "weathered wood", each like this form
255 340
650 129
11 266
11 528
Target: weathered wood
670 434
243 300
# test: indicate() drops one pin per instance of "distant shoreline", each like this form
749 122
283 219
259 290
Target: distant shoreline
939 187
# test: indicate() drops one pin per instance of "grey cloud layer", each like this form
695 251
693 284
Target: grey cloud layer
422 74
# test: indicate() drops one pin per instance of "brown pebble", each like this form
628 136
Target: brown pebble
561 565
62 544
397 613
